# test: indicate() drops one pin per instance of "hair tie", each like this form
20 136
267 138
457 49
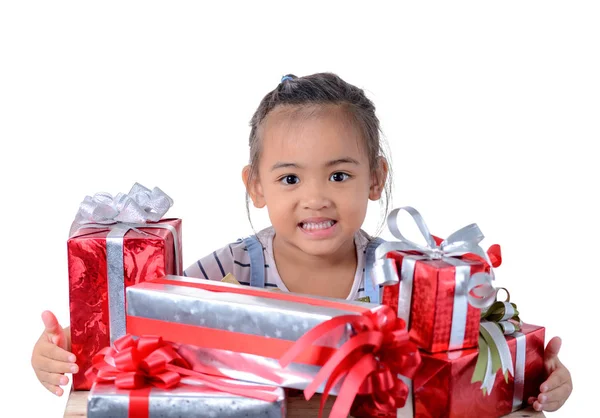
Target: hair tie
286 77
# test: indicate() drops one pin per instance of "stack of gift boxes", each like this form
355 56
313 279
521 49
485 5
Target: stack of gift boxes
477 358
150 341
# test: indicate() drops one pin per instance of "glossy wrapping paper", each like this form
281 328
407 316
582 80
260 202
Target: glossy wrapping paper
238 331
183 401
148 253
432 303
442 387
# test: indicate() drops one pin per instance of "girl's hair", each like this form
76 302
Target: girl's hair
324 89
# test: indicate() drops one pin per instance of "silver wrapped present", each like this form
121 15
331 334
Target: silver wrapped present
238 331
105 400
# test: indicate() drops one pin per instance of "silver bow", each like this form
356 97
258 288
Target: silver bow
140 205
465 240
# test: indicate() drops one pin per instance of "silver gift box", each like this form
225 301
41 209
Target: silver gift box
105 400
244 315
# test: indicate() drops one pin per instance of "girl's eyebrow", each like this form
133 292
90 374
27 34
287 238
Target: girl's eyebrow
344 160
284 165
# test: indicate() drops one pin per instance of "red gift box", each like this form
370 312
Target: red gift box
438 288
442 387
432 301
95 255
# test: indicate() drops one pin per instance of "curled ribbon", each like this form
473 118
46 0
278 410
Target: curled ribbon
151 362
504 313
499 320
370 362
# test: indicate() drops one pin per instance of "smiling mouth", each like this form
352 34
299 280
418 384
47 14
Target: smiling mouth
316 226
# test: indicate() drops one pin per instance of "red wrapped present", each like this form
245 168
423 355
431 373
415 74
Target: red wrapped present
442 286
115 244
443 386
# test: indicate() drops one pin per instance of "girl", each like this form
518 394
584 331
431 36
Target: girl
316 159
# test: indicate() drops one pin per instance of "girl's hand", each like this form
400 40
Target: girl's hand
50 358
558 387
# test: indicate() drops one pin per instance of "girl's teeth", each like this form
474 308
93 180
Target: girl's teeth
321 225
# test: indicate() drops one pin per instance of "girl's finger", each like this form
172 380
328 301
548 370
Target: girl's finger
54 352
54 366
560 394
51 325
531 400
550 406
557 378
53 389
54 379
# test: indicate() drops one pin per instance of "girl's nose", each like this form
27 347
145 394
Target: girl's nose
315 197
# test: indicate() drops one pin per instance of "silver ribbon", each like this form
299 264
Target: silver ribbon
462 274
519 378
405 292
476 290
116 282
498 333
503 350
118 215
407 411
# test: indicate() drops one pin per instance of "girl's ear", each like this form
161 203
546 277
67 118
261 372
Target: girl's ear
253 187
378 179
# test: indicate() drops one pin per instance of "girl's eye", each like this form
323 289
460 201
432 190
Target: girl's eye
290 179
339 177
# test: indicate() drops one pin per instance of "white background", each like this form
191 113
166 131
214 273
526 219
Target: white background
491 110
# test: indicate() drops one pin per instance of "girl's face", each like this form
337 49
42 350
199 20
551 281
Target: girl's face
314 177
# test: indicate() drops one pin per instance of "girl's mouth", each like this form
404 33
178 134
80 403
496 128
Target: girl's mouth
316 226
319 229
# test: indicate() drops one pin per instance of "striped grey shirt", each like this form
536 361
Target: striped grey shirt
234 259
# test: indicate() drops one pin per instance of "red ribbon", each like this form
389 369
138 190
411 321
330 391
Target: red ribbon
149 361
495 255
370 361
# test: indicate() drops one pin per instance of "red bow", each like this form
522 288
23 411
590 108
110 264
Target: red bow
150 361
133 364
370 362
